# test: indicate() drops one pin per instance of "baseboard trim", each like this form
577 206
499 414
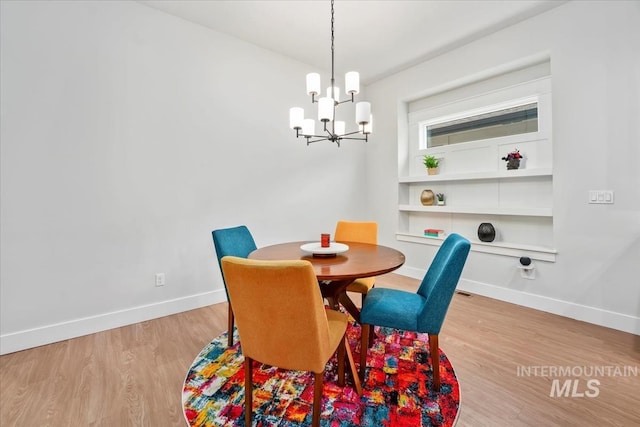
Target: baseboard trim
596 316
29 338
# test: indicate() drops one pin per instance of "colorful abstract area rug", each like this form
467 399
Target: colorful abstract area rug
396 390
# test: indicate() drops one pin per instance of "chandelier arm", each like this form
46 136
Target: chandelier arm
350 133
319 136
320 140
356 139
331 134
346 100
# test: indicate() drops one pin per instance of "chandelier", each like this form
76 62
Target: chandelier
333 130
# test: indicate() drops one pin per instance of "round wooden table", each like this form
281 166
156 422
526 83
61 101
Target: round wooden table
335 273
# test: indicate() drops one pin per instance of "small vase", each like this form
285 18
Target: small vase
440 202
486 232
513 164
427 197
432 171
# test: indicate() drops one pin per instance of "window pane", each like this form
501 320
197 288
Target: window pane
510 121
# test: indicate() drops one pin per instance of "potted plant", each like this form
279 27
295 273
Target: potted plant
431 163
513 159
440 197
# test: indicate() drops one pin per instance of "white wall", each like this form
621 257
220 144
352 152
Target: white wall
127 136
594 49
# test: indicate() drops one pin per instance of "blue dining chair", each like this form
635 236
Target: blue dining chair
423 311
238 242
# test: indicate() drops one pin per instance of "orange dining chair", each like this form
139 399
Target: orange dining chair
282 322
234 241
422 311
360 232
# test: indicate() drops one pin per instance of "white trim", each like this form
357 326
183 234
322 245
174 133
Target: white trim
479 210
596 316
499 248
464 176
48 334
518 64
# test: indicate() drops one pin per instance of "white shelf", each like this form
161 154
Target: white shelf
479 210
500 248
503 174
521 214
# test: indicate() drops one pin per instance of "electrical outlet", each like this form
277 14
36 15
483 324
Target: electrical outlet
527 272
160 279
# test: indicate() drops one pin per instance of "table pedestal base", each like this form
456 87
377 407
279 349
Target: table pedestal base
335 292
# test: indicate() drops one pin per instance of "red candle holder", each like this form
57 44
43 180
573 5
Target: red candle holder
325 240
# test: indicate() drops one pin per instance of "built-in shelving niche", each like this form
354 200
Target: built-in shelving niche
518 203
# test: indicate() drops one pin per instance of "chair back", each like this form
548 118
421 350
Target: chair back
357 231
279 312
234 241
440 281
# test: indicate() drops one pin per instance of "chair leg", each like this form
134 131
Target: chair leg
317 401
352 368
364 348
248 390
342 353
364 295
435 360
372 335
230 328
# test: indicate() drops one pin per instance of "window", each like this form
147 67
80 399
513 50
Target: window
495 122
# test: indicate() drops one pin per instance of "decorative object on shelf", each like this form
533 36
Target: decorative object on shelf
513 159
427 197
434 232
334 129
431 163
486 232
440 197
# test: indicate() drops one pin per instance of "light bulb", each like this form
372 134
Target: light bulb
335 95
308 127
363 113
325 109
368 128
352 82
296 116
313 83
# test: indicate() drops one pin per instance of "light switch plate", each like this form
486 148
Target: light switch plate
604 197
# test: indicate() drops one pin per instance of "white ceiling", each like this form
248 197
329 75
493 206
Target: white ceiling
375 37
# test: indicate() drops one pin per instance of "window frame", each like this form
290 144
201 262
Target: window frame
423 125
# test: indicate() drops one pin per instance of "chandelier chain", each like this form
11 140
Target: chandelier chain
332 46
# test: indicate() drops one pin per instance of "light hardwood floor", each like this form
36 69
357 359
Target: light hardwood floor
133 376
